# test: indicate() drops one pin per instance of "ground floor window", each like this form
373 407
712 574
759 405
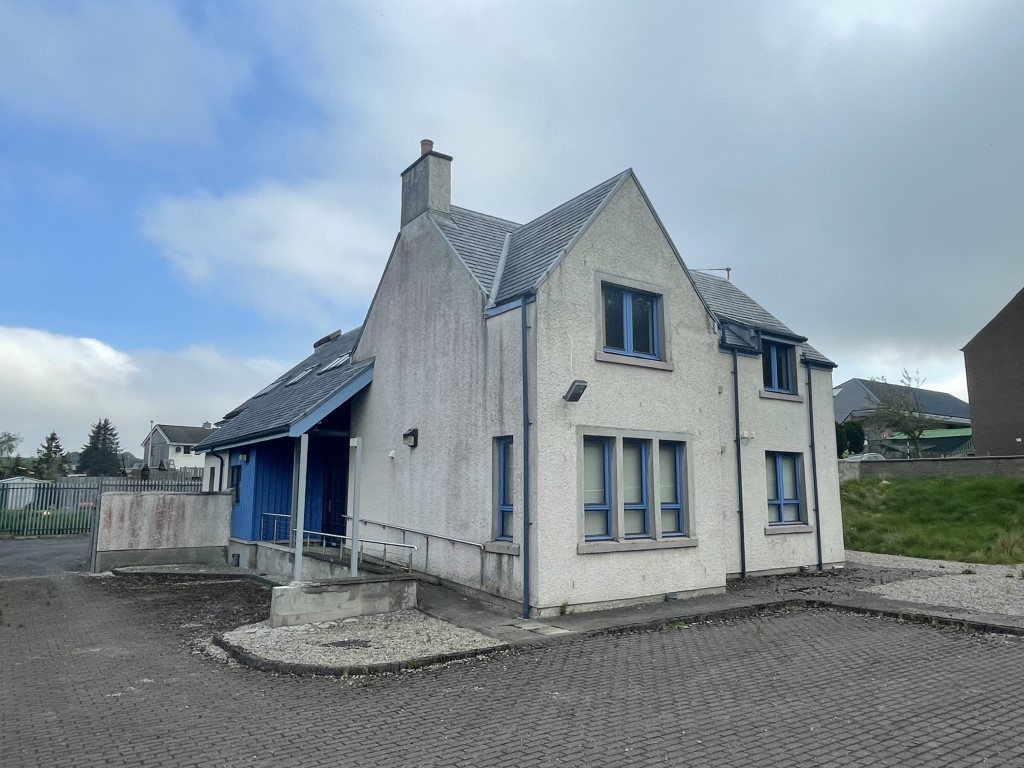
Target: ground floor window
504 474
784 484
633 487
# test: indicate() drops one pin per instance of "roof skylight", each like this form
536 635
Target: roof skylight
301 375
336 363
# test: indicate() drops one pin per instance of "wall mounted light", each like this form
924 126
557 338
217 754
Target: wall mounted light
411 438
243 457
576 390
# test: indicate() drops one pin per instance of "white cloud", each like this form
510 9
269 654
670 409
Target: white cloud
66 384
293 252
125 70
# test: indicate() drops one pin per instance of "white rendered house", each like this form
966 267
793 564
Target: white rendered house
560 413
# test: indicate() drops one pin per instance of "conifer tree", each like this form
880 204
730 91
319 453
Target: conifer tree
51 459
101 455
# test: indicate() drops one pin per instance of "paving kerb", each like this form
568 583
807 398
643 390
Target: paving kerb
466 612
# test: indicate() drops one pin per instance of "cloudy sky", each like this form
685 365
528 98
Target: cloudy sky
191 193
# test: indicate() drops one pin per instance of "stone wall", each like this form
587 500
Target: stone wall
960 466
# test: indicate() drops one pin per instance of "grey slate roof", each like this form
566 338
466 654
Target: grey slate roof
731 305
282 405
861 396
536 246
478 239
183 435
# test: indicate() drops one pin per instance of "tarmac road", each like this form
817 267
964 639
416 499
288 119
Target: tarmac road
44 556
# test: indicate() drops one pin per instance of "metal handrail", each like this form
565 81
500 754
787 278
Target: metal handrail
276 523
359 554
476 544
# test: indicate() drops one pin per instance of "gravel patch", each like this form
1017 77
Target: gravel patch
359 641
969 586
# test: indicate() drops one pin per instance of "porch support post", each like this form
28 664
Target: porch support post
300 506
355 445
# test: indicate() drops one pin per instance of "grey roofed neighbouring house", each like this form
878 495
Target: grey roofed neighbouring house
859 397
182 435
292 404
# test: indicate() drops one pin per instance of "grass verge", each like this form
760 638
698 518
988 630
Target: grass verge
976 520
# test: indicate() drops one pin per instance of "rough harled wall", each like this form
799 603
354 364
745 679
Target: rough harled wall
782 425
693 402
626 245
442 369
152 528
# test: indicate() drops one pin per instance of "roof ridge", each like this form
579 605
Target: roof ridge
503 220
574 198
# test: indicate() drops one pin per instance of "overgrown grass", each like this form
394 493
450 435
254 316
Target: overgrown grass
976 520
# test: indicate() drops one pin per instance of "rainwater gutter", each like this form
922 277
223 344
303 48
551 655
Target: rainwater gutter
526 455
739 463
814 466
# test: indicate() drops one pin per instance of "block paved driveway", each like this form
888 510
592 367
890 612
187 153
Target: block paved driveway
91 675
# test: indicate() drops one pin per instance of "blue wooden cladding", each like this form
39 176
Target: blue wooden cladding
265 483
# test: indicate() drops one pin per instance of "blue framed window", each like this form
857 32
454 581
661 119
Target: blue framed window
777 362
785 495
597 488
506 473
236 483
670 480
632 322
636 506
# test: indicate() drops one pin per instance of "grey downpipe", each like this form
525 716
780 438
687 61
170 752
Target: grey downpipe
739 464
814 467
526 460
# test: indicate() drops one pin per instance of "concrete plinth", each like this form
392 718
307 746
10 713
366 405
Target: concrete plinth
310 602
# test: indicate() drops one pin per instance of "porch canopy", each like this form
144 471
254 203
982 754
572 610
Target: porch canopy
266 441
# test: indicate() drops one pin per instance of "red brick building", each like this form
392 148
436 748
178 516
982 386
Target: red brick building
995 382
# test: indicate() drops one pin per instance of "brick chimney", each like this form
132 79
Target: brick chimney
427 184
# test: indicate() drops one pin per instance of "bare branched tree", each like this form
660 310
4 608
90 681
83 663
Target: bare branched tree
898 410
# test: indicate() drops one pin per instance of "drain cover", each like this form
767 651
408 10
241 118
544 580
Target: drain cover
349 644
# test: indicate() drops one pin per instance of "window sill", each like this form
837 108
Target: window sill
502 547
642 362
772 530
767 394
634 545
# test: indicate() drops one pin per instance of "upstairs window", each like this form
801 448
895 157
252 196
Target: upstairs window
632 322
777 362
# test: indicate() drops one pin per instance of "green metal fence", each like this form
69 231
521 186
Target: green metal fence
39 508
46 522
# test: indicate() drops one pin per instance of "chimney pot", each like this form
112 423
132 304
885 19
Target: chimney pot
426 147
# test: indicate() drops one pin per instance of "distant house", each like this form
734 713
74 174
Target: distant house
934 444
19 492
558 413
994 359
172 446
858 400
